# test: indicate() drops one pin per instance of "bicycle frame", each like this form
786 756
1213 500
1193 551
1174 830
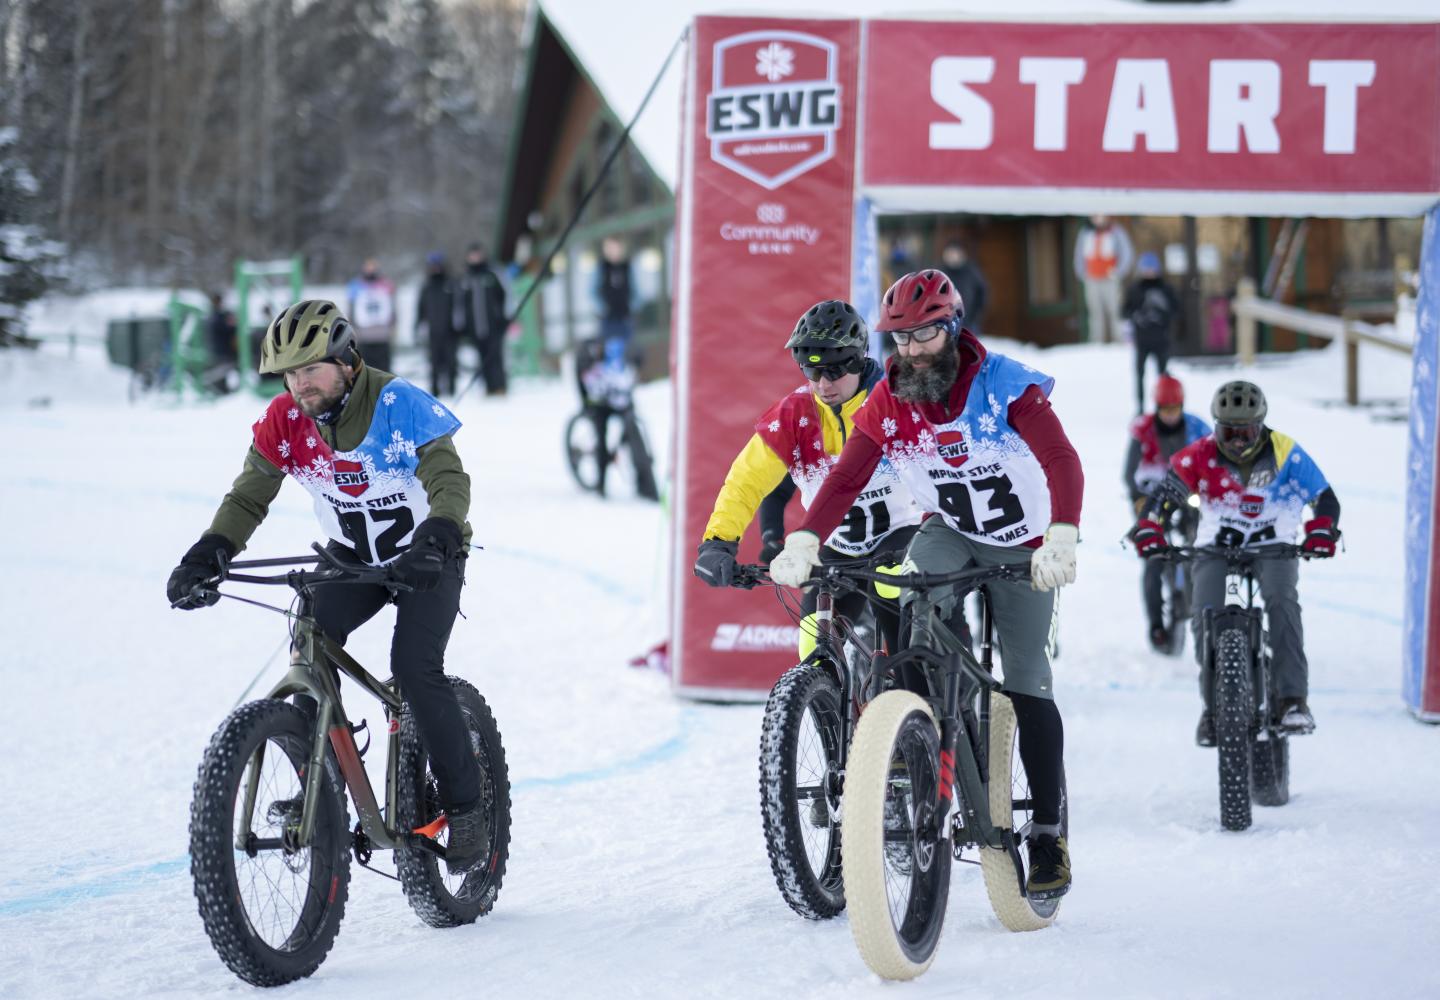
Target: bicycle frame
308 676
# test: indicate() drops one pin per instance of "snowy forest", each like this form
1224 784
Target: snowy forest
157 141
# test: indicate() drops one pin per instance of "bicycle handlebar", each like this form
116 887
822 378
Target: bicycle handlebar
334 570
1233 554
750 575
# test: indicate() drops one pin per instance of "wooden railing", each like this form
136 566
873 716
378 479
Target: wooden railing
1251 310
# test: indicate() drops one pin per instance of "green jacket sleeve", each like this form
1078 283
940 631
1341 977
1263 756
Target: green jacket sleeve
447 486
249 499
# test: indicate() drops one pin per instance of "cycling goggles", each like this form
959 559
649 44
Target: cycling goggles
919 334
815 373
1238 439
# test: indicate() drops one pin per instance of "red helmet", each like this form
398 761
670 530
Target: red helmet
921 298
1169 392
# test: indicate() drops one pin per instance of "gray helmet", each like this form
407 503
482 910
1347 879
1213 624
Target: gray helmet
1239 410
829 333
304 333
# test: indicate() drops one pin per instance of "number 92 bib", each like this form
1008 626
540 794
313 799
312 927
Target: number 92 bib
368 498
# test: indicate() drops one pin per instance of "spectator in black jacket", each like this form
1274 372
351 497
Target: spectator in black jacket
434 321
480 315
1150 308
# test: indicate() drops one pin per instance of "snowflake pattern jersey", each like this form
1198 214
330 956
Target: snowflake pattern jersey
369 497
1152 468
975 471
1269 508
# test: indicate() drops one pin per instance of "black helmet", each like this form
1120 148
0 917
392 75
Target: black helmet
829 333
1239 410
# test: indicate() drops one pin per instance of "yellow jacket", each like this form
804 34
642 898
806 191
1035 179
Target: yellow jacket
757 469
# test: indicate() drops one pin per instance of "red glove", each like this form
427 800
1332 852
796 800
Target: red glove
1148 538
1320 538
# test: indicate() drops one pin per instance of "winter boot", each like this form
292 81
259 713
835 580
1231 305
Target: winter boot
1049 867
1205 730
1295 717
469 843
1159 639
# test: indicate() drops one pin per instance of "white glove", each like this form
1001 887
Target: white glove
1053 564
801 554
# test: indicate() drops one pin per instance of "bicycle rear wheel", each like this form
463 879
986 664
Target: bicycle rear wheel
271 907
800 745
1234 716
640 458
897 877
1010 809
442 899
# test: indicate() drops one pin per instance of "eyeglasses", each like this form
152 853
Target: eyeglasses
920 334
1238 437
815 373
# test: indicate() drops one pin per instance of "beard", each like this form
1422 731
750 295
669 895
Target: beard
929 382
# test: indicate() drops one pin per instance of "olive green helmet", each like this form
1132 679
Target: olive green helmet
1239 410
304 333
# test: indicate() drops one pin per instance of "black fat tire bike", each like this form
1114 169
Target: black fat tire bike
270 838
914 758
623 453
1253 751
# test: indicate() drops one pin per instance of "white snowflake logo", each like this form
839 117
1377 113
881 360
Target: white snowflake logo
994 404
804 421
987 424
774 62
292 413
796 453
397 447
388 399
310 442
284 449
774 426
1186 461
819 446
914 416
437 410
889 426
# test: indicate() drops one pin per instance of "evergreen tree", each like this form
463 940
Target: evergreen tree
28 261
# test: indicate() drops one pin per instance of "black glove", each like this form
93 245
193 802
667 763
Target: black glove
203 563
716 562
771 545
420 566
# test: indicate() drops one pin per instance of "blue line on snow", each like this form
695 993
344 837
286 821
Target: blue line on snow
132 879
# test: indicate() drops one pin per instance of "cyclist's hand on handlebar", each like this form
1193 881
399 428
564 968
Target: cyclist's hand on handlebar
202 564
792 567
420 566
1320 538
716 562
771 545
1053 564
1148 538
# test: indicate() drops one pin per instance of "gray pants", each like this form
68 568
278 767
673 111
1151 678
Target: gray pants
1277 578
1024 619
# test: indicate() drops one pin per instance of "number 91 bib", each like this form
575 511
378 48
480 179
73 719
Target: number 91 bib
975 471
368 498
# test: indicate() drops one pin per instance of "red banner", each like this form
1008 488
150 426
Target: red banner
1213 107
765 231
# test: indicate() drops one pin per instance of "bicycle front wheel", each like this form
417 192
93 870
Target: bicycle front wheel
270 906
584 451
439 898
800 744
1234 717
895 854
1010 808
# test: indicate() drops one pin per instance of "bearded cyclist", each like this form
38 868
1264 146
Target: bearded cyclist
972 434
1253 484
800 436
375 453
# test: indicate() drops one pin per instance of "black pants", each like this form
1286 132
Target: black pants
442 368
1147 344
417 660
492 363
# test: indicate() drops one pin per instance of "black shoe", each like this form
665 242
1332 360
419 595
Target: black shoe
1049 867
1205 730
1159 639
469 843
1295 717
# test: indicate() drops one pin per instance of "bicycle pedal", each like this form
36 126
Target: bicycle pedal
1042 895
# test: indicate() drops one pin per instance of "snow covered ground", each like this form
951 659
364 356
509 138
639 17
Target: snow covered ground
637 865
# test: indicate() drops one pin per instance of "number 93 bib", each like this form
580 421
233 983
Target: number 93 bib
368 498
975 471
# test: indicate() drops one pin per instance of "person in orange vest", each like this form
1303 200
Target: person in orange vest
1103 255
